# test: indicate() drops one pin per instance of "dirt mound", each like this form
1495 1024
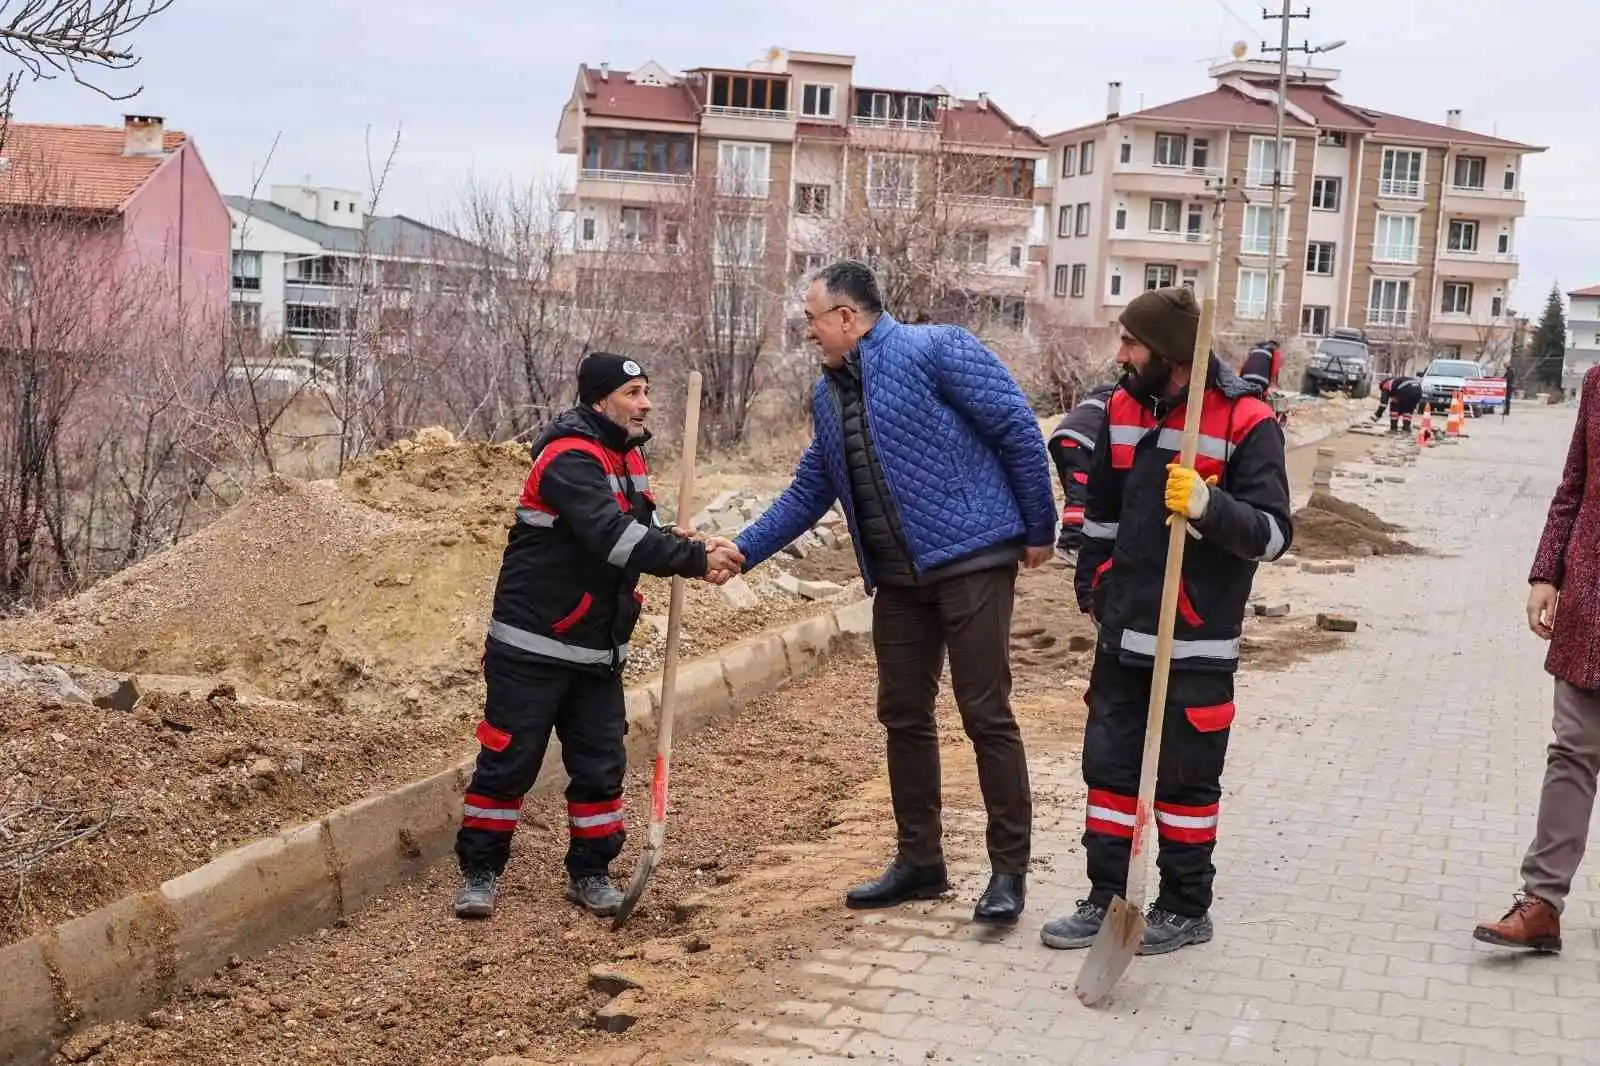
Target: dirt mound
1331 528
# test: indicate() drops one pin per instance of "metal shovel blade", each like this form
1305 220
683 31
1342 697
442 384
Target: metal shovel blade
1111 952
641 877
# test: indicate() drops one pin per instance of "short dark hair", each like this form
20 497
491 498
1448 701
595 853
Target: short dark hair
856 282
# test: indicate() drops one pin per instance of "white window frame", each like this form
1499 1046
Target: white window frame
1253 309
1463 225
1482 168
734 237
1120 219
744 169
970 246
1114 283
1447 306
1385 249
1069 160
1080 279
746 322
1171 212
639 235
1081 223
1392 187
1174 160
1313 260
1259 166
1257 239
1165 276
1064 221
1086 157
1382 312
804 198
833 99
246 268
898 193
1063 273
1320 194
1313 312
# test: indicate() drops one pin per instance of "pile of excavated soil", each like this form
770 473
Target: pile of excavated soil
1331 528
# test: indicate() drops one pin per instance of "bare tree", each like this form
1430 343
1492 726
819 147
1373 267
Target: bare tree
1067 358
74 37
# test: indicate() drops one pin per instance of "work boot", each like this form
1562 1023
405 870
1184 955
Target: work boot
1530 923
899 883
1001 903
1075 930
1165 931
596 894
476 897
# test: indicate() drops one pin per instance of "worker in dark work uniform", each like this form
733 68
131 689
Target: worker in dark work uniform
564 608
1261 366
1402 395
1071 446
1236 500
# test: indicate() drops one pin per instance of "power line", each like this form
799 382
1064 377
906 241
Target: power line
1231 13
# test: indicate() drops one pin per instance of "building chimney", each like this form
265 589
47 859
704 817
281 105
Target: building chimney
1113 99
143 135
1452 118
605 71
983 101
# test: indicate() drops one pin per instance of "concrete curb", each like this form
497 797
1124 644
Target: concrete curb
119 962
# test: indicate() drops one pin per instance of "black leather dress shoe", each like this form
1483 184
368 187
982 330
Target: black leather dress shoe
899 883
1001 903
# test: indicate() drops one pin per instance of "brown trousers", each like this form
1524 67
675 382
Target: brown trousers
1571 769
970 614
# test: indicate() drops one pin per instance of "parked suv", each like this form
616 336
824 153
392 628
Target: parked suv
1444 377
1341 361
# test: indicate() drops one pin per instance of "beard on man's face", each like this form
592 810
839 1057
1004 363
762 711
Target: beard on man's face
1149 384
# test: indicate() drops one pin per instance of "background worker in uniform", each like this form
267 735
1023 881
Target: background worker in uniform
1402 395
1071 446
1237 502
1261 366
564 608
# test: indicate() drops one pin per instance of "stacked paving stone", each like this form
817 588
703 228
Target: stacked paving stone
732 510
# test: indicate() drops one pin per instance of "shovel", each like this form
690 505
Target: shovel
657 839
1119 935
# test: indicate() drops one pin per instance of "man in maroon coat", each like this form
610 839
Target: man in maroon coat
1564 608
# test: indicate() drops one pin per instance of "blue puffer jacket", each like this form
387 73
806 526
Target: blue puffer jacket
960 450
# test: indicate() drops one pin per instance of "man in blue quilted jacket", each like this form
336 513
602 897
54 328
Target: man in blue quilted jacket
925 438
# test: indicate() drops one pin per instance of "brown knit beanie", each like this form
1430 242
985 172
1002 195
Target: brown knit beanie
1165 321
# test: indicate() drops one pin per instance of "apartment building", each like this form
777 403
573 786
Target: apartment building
1403 227
797 163
1583 335
309 262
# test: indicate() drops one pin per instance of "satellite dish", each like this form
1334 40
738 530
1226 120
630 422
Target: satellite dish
1239 49
774 52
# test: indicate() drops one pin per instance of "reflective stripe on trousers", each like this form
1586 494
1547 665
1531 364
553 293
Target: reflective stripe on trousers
551 648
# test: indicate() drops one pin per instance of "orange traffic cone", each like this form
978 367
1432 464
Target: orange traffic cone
1452 423
1425 434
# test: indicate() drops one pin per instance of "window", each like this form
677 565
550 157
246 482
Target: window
313 318
1463 236
630 151
750 92
1401 176
1496 306
1121 218
672 236
1503 245
743 168
1061 280
1069 160
1116 284
1396 239
1390 303
1264 161
1257 236
637 227
891 180
970 246
247 271
804 264
1511 180
1166 216
736 308
1170 149
246 316
739 240
1457 298
586 230
1314 321
1331 138
1251 301
1196 221
1086 157
816 101
1125 153
1190 278
1201 156
1469 172
811 199
1080 278
1016 257
1319 258
1082 229
1160 276
1325 194
1064 221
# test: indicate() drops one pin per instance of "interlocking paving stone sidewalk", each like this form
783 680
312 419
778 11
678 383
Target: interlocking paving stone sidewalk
1378 800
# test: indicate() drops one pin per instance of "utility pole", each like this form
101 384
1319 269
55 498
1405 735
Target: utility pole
1283 51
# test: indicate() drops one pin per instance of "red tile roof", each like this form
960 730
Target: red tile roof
1593 290
976 123
79 167
614 96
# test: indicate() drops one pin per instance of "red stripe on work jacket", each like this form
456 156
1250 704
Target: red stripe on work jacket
630 464
1110 813
1224 424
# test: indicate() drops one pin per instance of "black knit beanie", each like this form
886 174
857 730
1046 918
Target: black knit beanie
602 373
1165 321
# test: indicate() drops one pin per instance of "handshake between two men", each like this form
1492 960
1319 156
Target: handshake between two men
724 560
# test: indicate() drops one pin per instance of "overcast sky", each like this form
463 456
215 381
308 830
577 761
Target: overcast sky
478 94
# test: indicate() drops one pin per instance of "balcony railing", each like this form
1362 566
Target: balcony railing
1162 235
997 203
891 197
1394 253
1478 255
1261 178
750 112
743 186
1256 244
1389 316
1254 309
635 175
1399 189
1176 170
876 122
1486 191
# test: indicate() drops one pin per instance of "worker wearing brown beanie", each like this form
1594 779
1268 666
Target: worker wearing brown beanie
1236 499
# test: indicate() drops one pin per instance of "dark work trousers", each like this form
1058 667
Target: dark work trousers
526 699
970 614
1194 745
